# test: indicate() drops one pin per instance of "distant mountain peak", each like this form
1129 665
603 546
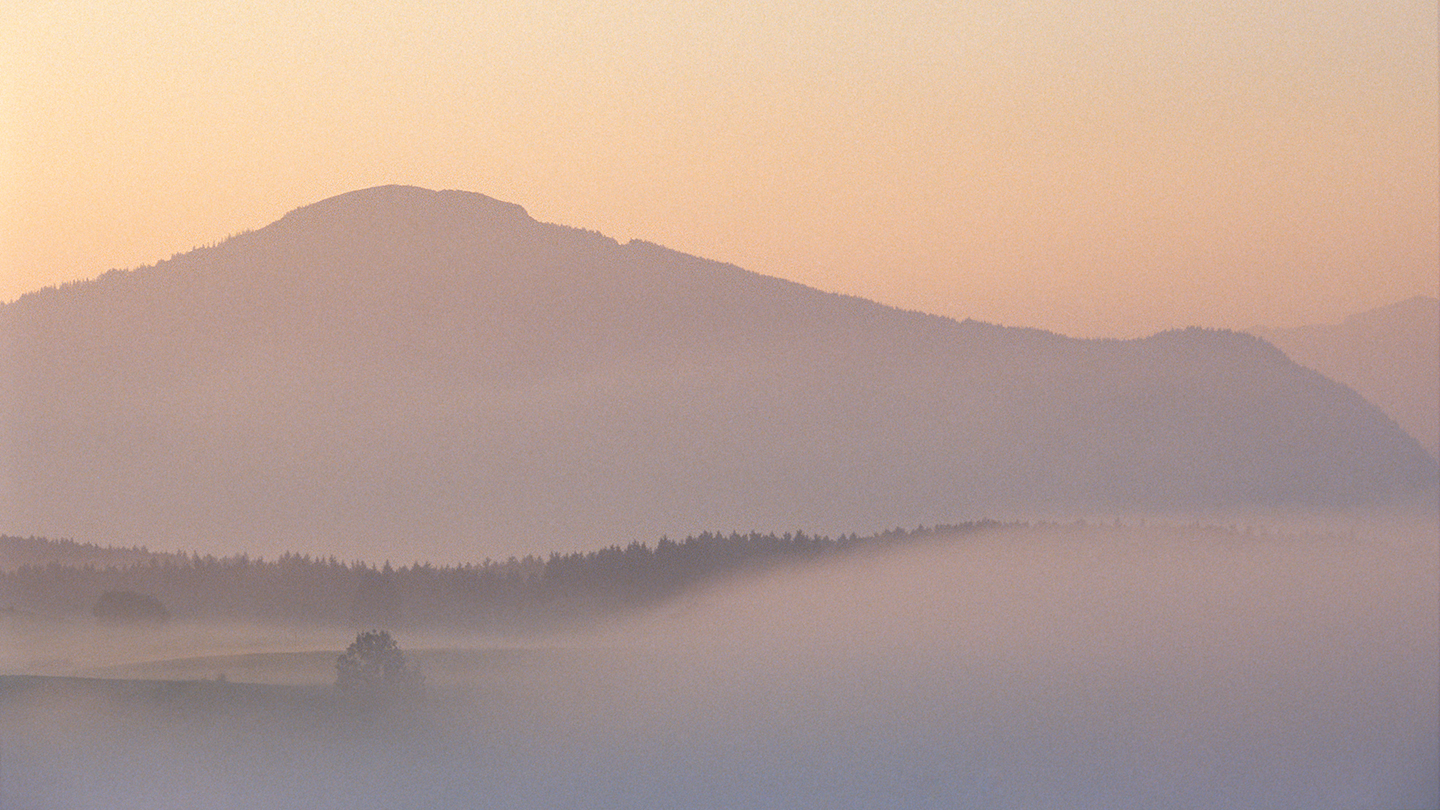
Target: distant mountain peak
1417 306
1390 354
397 203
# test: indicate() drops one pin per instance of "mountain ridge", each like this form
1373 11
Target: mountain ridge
438 367
1389 354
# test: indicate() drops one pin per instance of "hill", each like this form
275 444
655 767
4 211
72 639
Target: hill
16 552
1390 355
533 594
401 371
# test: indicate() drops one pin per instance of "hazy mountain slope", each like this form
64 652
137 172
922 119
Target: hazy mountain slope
1390 355
397 369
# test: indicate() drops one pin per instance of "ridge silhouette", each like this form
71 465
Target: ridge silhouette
397 370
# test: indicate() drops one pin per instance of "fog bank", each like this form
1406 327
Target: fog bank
1050 668
1096 668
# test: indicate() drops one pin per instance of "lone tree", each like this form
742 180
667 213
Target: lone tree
374 662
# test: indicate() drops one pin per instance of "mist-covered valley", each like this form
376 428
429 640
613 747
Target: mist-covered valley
1057 666
740 405
483 402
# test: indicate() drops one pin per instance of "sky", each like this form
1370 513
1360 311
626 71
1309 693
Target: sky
1094 168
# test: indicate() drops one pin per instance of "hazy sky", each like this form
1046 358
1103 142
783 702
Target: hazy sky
1095 168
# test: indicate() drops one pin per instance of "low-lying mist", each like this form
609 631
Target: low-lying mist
1055 667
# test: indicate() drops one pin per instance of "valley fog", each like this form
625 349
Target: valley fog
1064 667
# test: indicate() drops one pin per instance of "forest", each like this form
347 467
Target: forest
64 579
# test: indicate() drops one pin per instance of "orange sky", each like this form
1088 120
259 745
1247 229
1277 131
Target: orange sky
1095 168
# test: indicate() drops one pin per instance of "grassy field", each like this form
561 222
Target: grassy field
287 737
439 666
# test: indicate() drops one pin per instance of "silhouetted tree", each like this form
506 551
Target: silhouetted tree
374 661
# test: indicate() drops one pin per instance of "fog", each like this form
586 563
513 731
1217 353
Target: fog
1056 667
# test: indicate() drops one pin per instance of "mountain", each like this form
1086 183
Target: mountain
401 372
1390 355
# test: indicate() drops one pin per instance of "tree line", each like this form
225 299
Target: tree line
516 594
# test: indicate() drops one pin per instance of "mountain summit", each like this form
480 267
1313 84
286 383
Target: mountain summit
398 371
